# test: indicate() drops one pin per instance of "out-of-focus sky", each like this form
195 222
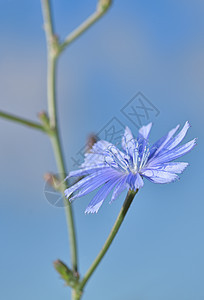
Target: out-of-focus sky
156 48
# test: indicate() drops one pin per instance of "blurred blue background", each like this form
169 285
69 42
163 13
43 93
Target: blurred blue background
153 47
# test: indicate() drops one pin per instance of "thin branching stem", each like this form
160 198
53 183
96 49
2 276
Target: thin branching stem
52 45
50 125
22 121
54 48
83 27
129 198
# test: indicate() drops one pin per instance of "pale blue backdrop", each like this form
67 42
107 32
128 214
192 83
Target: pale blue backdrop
153 47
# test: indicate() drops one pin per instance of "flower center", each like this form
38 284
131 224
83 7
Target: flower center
133 161
140 156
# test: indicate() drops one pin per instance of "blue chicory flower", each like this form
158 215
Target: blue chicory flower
108 167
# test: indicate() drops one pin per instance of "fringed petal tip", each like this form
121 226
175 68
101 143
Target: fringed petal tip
184 165
89 211
188 123
65 193
176 178
145 130
194 142
127 130
93 209
127 137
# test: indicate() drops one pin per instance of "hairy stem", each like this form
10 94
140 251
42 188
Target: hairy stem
129 198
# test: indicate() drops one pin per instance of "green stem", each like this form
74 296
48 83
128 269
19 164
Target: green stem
129 198
22 121
48 23
84 26
51 91
76 295
68 210
52 46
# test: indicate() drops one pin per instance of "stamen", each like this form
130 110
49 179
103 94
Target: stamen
133 161
145 156
135 157
117 159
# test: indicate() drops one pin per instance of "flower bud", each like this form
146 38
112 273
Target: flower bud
43 117
52 180
45 121
66 274
91 140
103 5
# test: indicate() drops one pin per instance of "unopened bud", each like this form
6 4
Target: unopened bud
92 139
65 273
103 5
43 117
52 180
44 120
